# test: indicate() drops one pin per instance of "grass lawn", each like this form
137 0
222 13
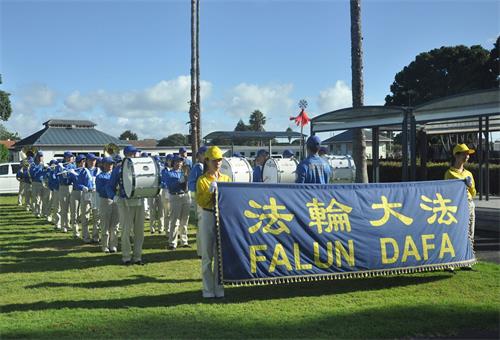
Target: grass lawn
52 286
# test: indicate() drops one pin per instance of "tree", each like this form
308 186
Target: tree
128 135
494 61
289 129
358 139
4 153
194 107
176 139
443 72
257 121
241 126
6 134
5 106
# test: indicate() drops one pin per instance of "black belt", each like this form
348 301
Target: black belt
211 210
177 193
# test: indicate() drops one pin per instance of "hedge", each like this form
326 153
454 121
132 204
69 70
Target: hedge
391 172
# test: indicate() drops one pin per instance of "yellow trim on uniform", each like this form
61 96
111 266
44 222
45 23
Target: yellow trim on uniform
204 197
454 173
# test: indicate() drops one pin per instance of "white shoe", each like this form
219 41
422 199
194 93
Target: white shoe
49 219
64 230
106 250
113 250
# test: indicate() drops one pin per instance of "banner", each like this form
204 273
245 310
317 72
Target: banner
291 232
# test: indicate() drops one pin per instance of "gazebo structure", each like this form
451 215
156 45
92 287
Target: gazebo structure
468 112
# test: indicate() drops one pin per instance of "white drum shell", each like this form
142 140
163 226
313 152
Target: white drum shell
279 170
343 169
140 177
238 169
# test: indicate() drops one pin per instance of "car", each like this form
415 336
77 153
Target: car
8 182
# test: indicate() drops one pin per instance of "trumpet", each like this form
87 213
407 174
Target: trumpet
111 150
28 151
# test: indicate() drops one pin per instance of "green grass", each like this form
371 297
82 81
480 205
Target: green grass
54 287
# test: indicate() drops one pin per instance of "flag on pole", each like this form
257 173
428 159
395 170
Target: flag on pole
302 119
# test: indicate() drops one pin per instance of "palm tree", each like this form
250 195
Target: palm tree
358 139
193 107
198 91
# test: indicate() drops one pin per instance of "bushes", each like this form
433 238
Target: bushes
391 172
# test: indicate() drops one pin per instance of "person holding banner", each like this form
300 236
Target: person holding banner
313 169
195 173
205 196
461 155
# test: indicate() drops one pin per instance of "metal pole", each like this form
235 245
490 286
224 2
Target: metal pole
375 155
487 158
404 151
480 158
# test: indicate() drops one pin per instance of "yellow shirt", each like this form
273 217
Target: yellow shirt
204 197
454 173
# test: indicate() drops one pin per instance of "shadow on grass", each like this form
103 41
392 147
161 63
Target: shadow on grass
235 295
139 279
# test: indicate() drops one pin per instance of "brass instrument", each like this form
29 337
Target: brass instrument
111 150
28 151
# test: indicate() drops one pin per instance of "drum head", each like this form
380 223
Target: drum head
128 177
238 169
226 169
270 171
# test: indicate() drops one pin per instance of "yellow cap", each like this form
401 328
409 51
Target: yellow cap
462 148
213 152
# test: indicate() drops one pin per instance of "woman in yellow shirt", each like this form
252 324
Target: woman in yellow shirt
461 155
205 197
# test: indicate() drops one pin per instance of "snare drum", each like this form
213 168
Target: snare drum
140 177
279 170
238 169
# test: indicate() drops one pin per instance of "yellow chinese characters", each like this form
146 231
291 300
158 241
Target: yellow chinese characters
270 212
388 211
334 217
445 216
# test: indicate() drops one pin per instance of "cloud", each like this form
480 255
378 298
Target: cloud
334 98
27 99
167 96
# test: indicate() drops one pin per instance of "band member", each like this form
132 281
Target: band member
86 182
27 183
195 173
76 194
65 188
37 174
176 182
288 154
46 194
53 184
461 154
131 214
165 197
156 207
108 210
313 169
260 159
205 196
323 151
19 177
187 161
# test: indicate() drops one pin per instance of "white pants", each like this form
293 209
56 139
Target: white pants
133 219
20 195
179 217
64 198
27 195
109 223
46 203
86 211
36 198
165 201
74 210
156 212
54 204
209 256
199 213
472 220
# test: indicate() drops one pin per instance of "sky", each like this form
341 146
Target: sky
125 64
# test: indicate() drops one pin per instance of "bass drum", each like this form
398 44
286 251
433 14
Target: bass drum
141 177
279 170
238 169
343 169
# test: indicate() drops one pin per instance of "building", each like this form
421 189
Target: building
59 135
341 144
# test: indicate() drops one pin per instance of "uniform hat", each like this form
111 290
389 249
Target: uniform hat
68 154
39 154
117 158
169 157
130 149
80 157
108 160
262 152
462 148
323 149
287 153
213 152
53 161
177 158
182 150
144 154
237 154
99 159
313 141
202 149
157 158
91 156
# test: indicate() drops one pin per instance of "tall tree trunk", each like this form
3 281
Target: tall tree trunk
358 138
198 90
193 107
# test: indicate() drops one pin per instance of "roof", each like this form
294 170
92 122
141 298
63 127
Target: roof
8 143
69 123
346 137
60 136
361 117
262 135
